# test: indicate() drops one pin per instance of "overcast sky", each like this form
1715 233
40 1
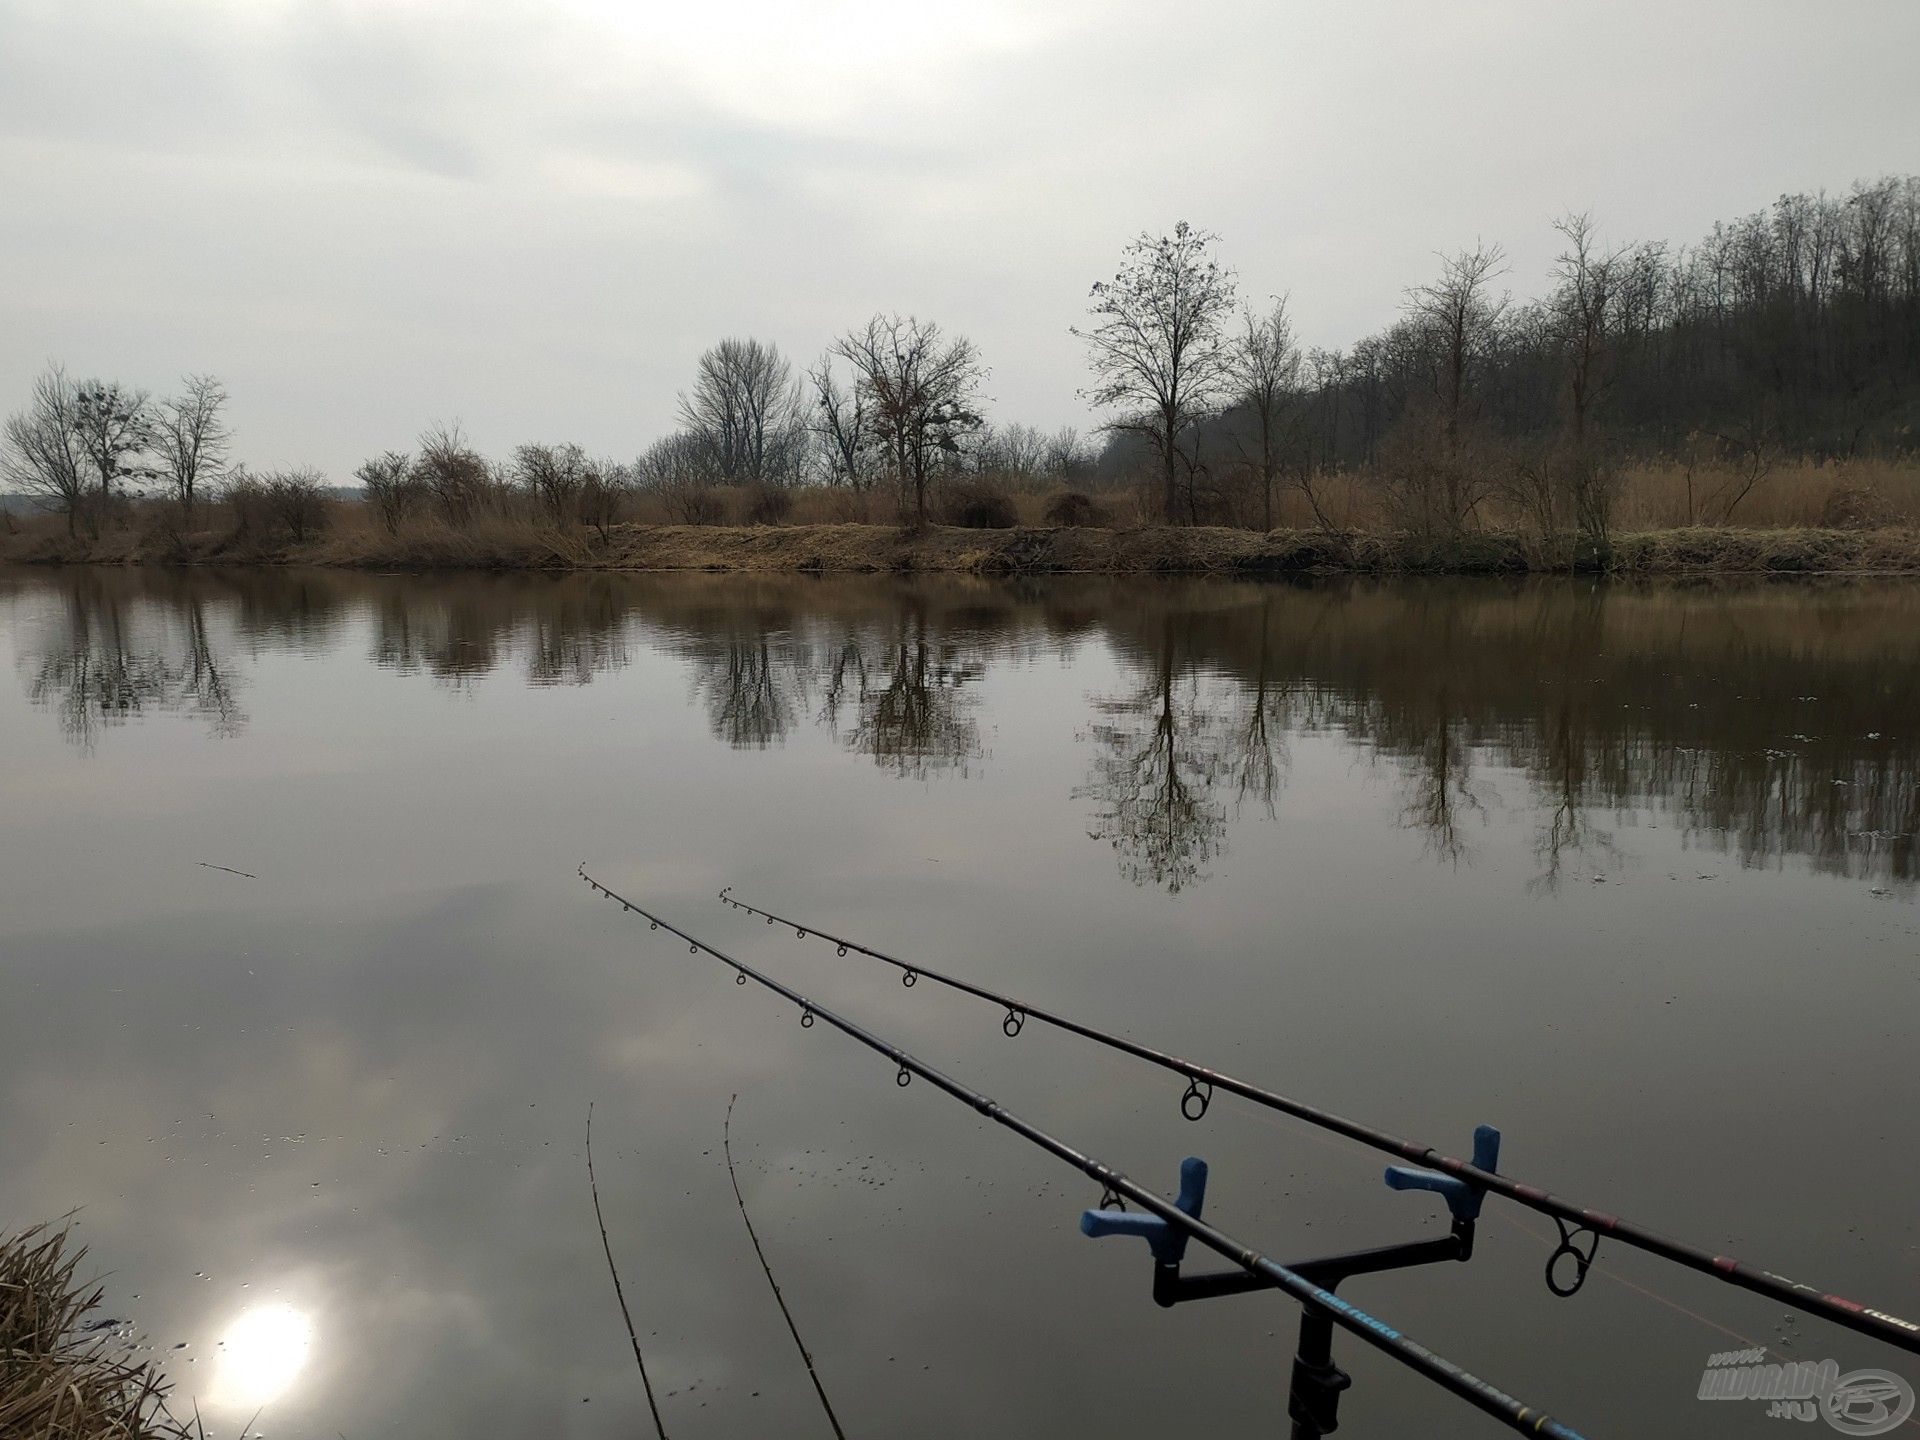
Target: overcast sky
368 214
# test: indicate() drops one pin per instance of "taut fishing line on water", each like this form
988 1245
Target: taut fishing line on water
1168 1226
806 1355
1570 1260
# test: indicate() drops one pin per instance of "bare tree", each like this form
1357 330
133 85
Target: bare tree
679 469
1016 451
1586 325
42 454
1457 315
920 389
1266 380
1751 454
553 476
602 498
841 424
1067 456
297 502
190 439
1157 344
746 408
115 426
452 472
1437 475
391 487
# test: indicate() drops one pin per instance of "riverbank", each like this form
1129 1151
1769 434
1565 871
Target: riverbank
854 549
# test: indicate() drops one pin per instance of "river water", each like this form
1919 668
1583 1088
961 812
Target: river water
1627 871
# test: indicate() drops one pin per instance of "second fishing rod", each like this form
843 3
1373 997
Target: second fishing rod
1202 1081
1178 1218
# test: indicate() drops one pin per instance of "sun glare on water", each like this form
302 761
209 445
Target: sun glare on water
261 1355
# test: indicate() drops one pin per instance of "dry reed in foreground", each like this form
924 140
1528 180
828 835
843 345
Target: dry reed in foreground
62 1377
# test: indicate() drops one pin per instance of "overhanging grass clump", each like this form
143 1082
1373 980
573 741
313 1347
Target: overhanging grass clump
60 1377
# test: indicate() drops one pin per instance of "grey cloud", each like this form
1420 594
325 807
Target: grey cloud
536 214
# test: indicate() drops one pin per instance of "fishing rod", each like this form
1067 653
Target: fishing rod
1202 1081
1169 1225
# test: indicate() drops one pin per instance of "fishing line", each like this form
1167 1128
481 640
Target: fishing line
619 1294
806 1355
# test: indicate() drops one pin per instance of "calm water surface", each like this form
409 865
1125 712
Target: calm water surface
1628 872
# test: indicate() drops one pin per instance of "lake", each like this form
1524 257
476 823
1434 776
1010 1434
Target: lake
1627 871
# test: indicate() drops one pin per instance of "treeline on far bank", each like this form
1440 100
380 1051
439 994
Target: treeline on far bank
1767 376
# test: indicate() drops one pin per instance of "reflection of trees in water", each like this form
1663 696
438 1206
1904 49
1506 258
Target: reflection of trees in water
1257 747
1437 775
580 634
1768 722
752 687
901 697
102 657
1157 761
1564 762
1167 751
463 629
892 686
456 642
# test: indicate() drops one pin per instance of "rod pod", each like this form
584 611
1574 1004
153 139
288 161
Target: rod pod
1572 1219
1481 1394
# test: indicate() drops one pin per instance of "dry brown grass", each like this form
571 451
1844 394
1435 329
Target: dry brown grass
1798 516
1791 493
60 1379
496 544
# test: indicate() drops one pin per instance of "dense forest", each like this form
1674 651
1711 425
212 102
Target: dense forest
1797 326
1669 384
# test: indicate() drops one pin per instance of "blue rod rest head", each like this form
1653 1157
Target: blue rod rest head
1168 1244
1463 1197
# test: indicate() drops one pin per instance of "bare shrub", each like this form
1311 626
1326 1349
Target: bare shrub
768 505
696 505
392 489
297 503
552 477
679 472
835 504
245 496
452 473
606 491
1074 508
975 505
1435 475
1854 507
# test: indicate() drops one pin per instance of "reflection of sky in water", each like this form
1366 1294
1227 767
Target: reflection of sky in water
352 1090
261 1355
